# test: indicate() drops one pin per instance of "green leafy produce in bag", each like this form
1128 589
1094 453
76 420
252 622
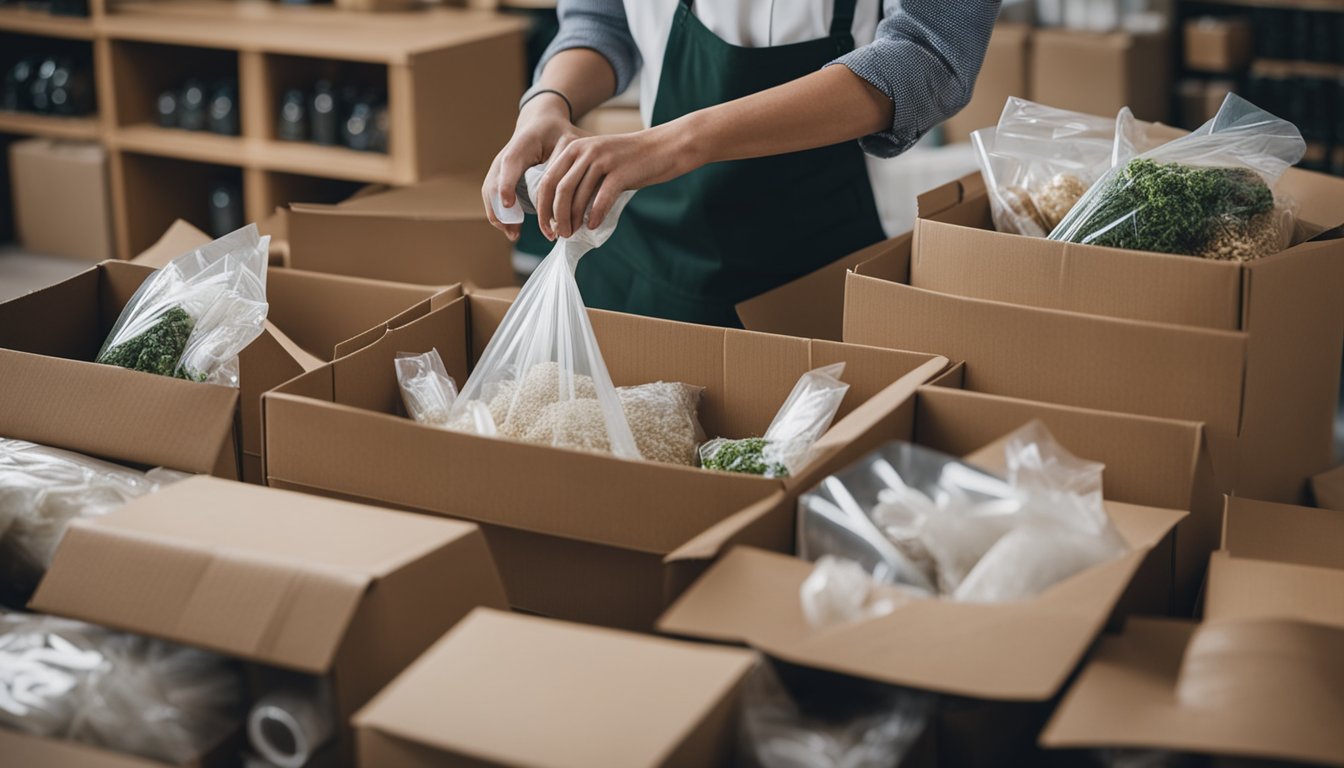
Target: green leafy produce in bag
158 349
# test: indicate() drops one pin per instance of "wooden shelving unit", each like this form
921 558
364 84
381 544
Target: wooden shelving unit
23 123
24 21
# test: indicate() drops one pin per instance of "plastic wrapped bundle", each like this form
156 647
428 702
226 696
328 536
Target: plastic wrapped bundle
427 390
191 318
69 680
664 417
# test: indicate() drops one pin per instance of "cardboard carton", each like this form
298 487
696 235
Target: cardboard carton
53 391
1218 45
578 535
1003 74
279 580
433 233
1098 73
22 749
1289 308
1328 489
506 690
61 203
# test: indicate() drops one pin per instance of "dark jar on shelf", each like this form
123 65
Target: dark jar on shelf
324 115
223 112
292 124
191 106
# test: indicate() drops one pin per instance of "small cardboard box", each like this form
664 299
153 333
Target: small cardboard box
1260 678
61 201
53 393
1003 74
1098 73
279 580
1220 45
432 233
507 690
578 535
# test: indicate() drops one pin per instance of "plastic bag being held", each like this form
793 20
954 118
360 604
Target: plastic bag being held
787 444
1209 194
542 377
191 318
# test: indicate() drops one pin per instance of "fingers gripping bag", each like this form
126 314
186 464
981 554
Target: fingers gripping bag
191 318
542 378
1209 194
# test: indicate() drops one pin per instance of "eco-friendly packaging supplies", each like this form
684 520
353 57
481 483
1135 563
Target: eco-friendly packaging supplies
289 583
1259 678
506 690
578 535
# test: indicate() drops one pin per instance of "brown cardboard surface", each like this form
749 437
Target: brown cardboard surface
503 689
61 200
27 751
432 233
1141 689
1099 73
1262 530
335 431
179 239
1003 74
1328 489
1222 45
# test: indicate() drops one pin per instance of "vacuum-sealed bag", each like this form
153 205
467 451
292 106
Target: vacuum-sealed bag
1209 194
787 444
191 318
664 418
542 377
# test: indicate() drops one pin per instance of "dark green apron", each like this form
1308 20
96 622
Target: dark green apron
692 248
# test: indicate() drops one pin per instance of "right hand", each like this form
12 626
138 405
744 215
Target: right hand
543 129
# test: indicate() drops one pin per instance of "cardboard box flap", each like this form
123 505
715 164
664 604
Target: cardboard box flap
518 690
180 238
305 359
1010 651
1317 196
1259 589
711 543
1277 686
448 197
142 418
257 573
320 311
1328 488
1262 530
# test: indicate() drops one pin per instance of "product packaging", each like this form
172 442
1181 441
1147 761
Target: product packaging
427 390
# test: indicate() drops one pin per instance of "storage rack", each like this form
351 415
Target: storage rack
440 121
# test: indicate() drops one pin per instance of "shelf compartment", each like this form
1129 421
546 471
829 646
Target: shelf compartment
17 47
144 70
51 126
199 146
150 192
29 22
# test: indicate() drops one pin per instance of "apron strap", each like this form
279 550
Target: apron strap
842 17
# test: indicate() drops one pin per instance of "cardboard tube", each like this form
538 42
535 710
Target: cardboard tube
288 727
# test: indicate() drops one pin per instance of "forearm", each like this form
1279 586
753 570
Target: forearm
826 107
585 77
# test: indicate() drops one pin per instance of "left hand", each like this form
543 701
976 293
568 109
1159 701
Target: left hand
595 170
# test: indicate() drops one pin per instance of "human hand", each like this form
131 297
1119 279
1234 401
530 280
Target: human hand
543 129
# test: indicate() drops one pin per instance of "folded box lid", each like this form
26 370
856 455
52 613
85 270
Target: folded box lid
515 690
261 574
446 197
1261 689
1008 651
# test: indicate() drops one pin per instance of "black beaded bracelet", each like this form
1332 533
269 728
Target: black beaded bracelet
534 92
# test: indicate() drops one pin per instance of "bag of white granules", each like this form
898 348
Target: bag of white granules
542 377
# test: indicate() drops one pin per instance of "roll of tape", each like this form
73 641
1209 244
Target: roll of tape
288 727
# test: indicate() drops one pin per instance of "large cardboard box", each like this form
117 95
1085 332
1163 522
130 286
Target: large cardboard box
285 582
1098 73
1260 678
578 535
1220 45
61 199
509 690
432 233
54 395
1004 74
1288 308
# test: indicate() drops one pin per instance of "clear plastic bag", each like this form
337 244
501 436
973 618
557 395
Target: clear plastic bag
664 418
427 390
41 490
910 515
787 444
74 681
191 318
542 376
829 723
1209 194
840 591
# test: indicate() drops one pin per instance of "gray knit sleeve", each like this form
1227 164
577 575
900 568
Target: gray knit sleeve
925 57
599 25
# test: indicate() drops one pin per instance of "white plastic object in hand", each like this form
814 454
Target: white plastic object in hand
511 214
288 726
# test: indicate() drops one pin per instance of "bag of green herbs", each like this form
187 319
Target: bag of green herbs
1209 194
191 318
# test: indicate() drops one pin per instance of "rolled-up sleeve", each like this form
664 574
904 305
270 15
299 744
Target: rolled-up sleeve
925 58
599 25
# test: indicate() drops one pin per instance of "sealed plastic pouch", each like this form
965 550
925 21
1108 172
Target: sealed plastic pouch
427 390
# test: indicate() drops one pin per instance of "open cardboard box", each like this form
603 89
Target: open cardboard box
1258 679
434 233
506 690
579 535
1290 307
286 583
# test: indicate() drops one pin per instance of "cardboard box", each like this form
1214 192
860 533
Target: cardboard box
282 581
1258 679
432 233
507 690
1288 310
28 751
1221 45
1098 73
1328 489
578 535
1003 74
53 393
61 201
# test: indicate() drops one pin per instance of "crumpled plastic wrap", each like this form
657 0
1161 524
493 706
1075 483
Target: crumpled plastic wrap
69 680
